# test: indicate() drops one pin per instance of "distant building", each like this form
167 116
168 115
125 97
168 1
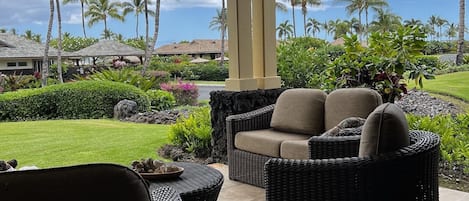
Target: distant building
20 55
196 49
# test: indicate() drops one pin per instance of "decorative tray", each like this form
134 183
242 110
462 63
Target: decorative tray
172 172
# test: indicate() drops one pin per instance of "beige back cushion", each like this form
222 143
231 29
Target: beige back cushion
299 111
385 130
351 102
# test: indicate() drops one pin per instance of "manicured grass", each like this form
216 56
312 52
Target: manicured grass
66 142
453 84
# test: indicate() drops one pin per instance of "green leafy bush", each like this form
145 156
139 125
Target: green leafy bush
77 100
127 76
193 133
454 135
208 72
452 69
161 100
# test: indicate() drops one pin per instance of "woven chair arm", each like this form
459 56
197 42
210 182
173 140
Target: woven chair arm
321 147
332 179
254 120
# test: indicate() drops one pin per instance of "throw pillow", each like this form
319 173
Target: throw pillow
385 130
347 127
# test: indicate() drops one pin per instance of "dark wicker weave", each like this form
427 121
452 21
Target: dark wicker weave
90 182
411 173
249 167
165 193
197 182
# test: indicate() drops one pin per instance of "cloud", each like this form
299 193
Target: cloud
174 4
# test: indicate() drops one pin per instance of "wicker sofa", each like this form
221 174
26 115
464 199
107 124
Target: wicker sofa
89 182
291 129
409 173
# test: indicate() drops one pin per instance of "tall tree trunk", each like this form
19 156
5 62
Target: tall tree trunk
59 43
146 16
147 40
83 18
155 34
45 61
293 14
223 30
462 12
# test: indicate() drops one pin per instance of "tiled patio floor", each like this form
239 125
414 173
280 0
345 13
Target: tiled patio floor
233 190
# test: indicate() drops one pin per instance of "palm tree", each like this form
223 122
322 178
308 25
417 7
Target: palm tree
100 10
151 46
280 6
325 27
285 30
462 12
432 21
440 22
451 31
385 21
375 5
45 60
313 26
59 43
137 7
219 23
355 6
83 3
304 10
354 25
293 4
412 22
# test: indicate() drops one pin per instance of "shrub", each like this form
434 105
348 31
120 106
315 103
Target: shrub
161 100
185 93
127 76
193 133
454 135
452 69
207 72
85 99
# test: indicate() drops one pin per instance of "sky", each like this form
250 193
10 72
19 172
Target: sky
186 20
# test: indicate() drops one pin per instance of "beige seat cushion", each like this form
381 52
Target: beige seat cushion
265 142
294 149
385 130
351 102
299 111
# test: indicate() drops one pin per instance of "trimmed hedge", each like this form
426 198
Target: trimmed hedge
77 100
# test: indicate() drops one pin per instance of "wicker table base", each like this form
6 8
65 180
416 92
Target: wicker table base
197 182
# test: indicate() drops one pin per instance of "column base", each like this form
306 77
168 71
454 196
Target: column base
240 84
273 82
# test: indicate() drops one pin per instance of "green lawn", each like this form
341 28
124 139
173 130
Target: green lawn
65 142
453 84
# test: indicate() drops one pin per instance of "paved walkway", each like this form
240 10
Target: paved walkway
232 190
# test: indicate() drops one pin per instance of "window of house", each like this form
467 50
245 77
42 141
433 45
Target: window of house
17 64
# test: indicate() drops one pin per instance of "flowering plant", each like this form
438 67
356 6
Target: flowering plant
186 93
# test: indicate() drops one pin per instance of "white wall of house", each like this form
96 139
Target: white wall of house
16 64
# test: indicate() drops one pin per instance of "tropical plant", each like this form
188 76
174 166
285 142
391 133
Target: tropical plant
127 76
462 12
293 3
83 3
137 7
451 31
313 26
219 23
304 11
161 100
355 6
72 43
385 21
432 21
285 30
186 93
412 22
193 133
281 7
59 39
101 10
375 5
151 45
440 22
28 34
45 60
420 72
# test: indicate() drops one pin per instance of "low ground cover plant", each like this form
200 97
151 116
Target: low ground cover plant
76 100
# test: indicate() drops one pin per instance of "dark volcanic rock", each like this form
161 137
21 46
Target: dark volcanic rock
421 103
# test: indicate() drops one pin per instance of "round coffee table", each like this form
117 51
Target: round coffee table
197 182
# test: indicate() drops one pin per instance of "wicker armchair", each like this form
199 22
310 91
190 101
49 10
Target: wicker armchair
90 182
410 173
